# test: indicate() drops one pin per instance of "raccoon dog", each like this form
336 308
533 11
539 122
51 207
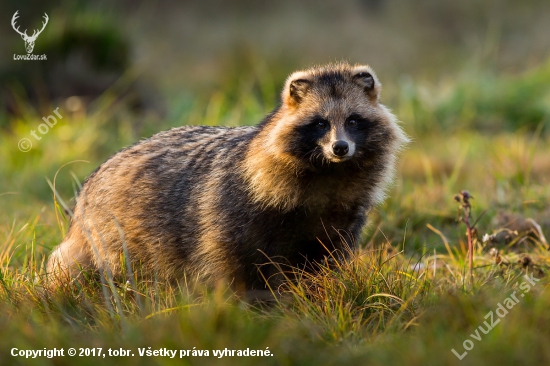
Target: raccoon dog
214 202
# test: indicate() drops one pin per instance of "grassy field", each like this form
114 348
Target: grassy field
405 297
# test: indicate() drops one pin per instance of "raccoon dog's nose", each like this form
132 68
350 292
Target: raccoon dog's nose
340 148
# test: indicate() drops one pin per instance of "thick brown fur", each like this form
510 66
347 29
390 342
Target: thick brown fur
213 202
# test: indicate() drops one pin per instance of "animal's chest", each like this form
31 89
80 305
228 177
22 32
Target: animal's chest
304 225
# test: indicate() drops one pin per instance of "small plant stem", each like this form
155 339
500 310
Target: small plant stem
465 211
470 249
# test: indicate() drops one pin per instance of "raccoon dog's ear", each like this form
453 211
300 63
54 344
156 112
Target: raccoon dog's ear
296 88
366 78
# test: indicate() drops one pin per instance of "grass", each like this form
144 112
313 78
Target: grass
405 297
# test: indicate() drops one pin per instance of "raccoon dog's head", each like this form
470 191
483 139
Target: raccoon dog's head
332 115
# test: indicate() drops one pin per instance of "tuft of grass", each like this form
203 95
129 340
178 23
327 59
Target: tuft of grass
358 296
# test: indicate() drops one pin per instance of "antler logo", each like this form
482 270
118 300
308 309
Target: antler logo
29 41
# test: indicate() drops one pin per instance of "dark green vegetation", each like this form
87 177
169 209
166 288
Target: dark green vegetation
405 298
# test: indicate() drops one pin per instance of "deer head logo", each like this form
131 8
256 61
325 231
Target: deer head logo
29 41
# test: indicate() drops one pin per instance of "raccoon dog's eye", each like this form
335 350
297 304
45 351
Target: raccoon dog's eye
352 123
321 124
